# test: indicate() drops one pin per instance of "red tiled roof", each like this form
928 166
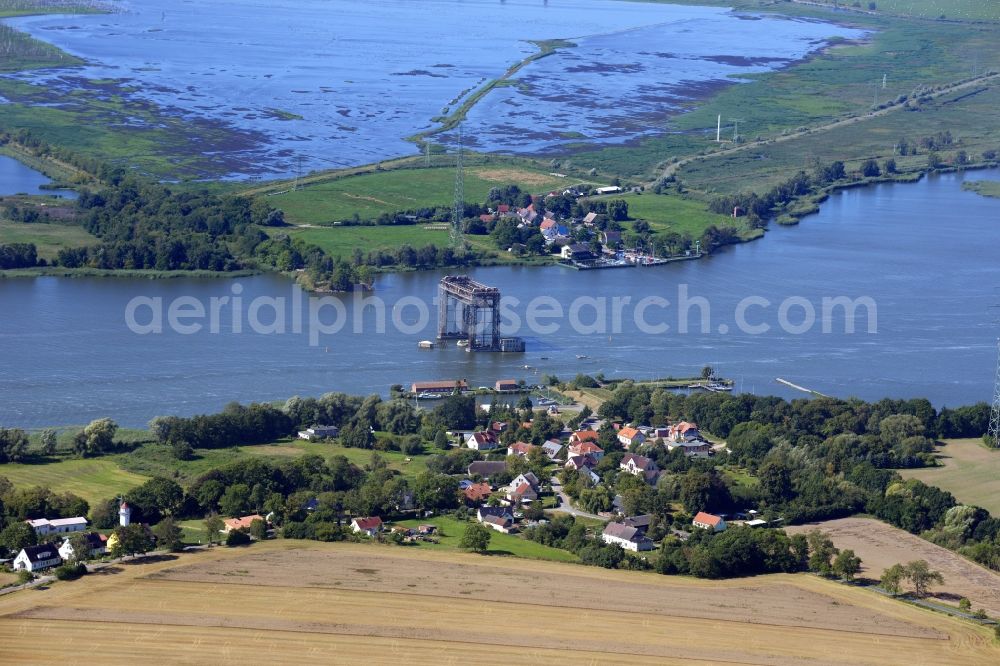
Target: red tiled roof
241 523
707 519
586 435
368 523
477 492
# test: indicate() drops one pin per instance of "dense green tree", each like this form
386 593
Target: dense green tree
13 445
168 534
16 536
476 538
846 565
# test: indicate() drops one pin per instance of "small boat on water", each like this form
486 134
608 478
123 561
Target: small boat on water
429 396
543 358
425 344
582 356
463 343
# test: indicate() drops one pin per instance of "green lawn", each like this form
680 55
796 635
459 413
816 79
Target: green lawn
92 479
450 532
369 195
156 459
963 10
341 241
674 213
969 470
48 238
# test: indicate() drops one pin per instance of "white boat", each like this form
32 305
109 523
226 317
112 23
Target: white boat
582 356
463 343
429 396
425 344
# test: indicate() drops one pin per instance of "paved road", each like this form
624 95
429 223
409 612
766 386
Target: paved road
564 504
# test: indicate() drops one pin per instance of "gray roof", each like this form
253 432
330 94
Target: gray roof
485 468
622 531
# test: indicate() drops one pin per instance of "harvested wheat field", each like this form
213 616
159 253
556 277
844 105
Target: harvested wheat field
303 602
880 546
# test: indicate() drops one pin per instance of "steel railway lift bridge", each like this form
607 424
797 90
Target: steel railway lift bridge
470 311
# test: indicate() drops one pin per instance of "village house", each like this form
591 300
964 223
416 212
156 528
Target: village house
589 474
640 523
445 386
36 558
241 523
586 448
695 448
576 252
684 431
486 468
611 239
521 449
506 385
44 527
370 525
640 466
498 518
97 545
580 462
708 521
482 441
522 492
583 436
590 218
477 493
552 448
610 189
629 538
319 432
630 437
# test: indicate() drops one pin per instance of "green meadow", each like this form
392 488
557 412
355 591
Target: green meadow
48 238
372 194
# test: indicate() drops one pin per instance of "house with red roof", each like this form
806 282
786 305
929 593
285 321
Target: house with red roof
521 449
684 431
586 448
242 523
584 436
708 521
477 493
630 437
485 440
369 525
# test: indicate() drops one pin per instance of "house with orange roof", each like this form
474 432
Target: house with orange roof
630 437
242 523
708 521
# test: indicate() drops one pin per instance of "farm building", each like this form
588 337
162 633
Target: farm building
44 527
36 558
444 386
319 432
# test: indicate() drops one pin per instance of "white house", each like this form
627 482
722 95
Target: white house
630 437
627 537
45 527
97 545
684 431
370 526
640 466
482 441
319 432
610 189
497 518
36 558
708 521
527 477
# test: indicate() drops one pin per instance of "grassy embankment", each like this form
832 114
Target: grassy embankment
969 470
986 188
97 479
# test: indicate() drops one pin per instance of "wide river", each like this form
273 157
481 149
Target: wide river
923 253
342 82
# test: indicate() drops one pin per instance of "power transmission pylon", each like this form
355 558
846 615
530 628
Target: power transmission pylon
995 414
459 214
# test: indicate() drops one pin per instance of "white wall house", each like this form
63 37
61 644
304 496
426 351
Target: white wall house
97 546
37 558
45 527
627 537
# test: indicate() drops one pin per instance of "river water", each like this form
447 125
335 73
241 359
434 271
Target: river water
340 82
922 252
18 178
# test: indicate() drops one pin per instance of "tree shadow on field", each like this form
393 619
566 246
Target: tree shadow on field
150 559
105 571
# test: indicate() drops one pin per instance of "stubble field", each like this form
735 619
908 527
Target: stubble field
880 546
300 602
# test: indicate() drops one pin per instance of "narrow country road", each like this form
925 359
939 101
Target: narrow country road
564 503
